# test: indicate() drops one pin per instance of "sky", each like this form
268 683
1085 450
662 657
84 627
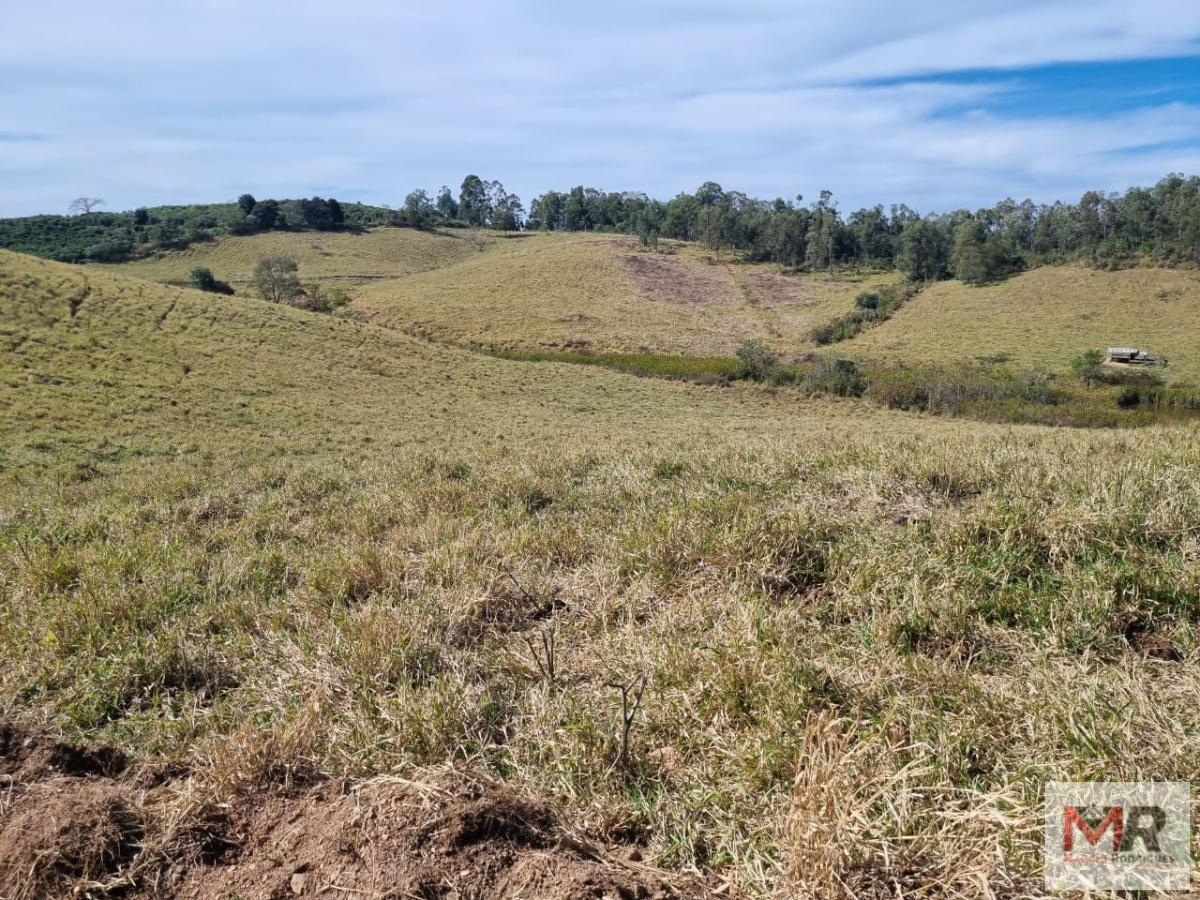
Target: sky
939 104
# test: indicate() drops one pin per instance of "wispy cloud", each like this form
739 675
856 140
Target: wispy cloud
937 104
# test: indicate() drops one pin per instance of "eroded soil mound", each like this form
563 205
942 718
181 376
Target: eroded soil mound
74 822
458 837
67 826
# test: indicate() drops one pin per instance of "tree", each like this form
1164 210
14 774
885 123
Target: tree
276 279
141 217
246 203
84 205
337 215
266 214
202 279
508 214
323 215
418 209
969 258
474 207
924 250
447 207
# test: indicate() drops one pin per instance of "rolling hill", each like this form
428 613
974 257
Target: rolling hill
343 255
600 292
1044 317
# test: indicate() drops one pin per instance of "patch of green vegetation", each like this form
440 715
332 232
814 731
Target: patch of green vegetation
870 308
117 236
703 369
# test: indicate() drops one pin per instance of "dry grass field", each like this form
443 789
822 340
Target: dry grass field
1044 317
602 293
346 256
252 551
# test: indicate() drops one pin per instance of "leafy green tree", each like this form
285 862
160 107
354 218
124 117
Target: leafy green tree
419 210
276 279
969 258
246 204
474 206
447 206
924 250
1088 367
323 215
266 214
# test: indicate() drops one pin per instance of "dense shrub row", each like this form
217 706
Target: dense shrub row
870 308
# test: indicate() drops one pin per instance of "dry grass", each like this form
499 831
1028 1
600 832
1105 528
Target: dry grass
1044 317
601 293
373 254
270 543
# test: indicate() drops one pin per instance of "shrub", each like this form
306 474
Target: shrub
1087 366
202 279
867 300
113 249
841 377
756 361
1129 396
323 299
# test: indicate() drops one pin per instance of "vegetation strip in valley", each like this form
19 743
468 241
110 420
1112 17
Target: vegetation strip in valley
985 389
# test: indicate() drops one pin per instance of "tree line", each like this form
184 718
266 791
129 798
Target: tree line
1161 222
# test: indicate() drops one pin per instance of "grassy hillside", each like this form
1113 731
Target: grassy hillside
372 254
254 547
601 292
1046 316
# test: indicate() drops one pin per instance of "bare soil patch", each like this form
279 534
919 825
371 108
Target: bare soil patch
670 281
73 824
459 836
772 288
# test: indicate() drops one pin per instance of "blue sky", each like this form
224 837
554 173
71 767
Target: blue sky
937 104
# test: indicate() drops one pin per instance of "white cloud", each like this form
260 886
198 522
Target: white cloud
143 102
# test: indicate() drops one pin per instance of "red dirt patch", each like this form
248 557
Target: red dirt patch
66 827
459 837
670 281
73 824
28 756
771 288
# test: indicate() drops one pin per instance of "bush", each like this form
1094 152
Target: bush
756 361
113 249
1087 366
202 279
1129 396
323 299
841 377
867 300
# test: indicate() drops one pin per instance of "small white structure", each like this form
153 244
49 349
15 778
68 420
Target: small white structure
1132 356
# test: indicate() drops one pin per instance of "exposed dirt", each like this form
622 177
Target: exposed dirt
670 281
772 289
459 837
72 824
65 824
